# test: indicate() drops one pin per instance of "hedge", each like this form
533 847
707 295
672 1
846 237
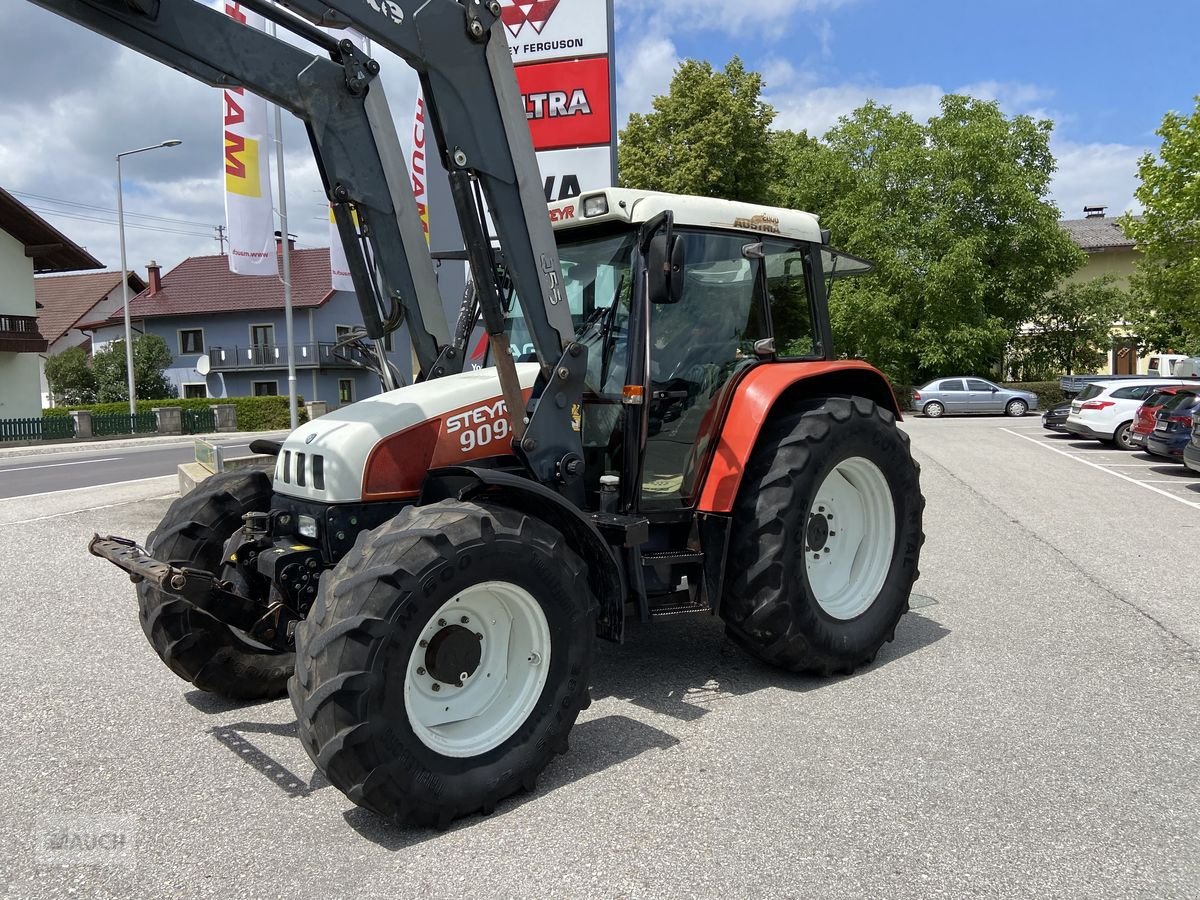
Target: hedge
1048 392
253 413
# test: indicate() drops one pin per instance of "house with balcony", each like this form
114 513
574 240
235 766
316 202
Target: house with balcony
228 336
29 245
66 301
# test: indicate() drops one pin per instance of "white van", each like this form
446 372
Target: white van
1167 365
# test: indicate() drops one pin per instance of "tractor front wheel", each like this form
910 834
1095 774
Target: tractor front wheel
196 646
826 538
445 661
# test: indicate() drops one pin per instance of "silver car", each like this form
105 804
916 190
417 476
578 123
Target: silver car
970 396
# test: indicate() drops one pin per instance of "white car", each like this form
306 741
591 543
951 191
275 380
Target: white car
1104 410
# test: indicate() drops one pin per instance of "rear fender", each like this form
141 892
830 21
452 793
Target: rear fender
605 576
776 389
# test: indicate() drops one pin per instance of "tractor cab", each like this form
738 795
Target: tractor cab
746 285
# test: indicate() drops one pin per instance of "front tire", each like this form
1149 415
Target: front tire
933 410
194 645
825 540
1016 408
445 661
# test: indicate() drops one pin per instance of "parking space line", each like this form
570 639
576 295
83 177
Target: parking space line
1107 469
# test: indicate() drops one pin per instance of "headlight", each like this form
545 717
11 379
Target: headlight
595 206
308 527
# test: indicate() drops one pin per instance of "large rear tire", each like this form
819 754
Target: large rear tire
194 645
445 661
826 538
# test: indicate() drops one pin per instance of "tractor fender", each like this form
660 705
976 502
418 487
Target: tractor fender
775 389
476 483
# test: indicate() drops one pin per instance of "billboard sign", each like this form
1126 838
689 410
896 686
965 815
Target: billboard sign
556 29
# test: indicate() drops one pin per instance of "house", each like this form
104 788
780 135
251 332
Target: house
1110 252
64 301
28 245
228 336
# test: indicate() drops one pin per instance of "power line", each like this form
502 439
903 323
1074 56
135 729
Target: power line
105 209
82 218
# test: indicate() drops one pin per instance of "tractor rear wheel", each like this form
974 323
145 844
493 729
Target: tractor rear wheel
194 645
826 538
445 661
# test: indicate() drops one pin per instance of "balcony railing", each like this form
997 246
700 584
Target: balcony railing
317 355
19 334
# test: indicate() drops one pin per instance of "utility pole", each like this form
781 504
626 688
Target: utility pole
221 237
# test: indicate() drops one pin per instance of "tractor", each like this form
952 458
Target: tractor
639 413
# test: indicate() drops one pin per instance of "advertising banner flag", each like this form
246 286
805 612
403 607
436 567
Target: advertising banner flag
248 211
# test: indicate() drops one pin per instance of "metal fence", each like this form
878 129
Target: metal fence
43 428
199 421
105 424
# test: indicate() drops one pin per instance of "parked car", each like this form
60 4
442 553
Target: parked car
1173 426
1191 453
1104 410
1143 418
1055 418
970 396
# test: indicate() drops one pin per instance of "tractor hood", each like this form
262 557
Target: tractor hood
379 448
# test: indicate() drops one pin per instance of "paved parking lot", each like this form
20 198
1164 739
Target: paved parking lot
1032 731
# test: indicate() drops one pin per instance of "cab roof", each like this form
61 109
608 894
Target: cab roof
635 207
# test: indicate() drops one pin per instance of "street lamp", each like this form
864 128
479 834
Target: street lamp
125 270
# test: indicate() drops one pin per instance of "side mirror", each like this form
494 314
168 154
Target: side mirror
664 268
995 390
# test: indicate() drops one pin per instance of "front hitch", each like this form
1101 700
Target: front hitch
273 625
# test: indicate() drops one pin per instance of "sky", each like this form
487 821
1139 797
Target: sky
1103 72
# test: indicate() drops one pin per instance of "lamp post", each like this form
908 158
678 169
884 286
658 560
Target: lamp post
125 269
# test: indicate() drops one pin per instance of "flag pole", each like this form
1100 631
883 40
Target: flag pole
285 253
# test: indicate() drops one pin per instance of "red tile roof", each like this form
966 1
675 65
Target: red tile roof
203 285
63 299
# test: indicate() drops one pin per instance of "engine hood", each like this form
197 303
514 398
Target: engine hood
325 460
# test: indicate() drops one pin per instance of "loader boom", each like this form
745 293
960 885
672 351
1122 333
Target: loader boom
460 54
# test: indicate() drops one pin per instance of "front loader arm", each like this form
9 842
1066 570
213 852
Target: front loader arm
460 54
353 138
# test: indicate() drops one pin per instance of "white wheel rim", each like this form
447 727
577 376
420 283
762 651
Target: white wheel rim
496 698
848 557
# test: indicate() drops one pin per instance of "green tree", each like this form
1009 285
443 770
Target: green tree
71 379
150 357
955 216
1072 327
708 136
1167 281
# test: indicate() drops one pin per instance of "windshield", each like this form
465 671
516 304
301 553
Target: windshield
596 275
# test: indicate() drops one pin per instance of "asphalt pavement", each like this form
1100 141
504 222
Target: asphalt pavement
69 467
1031 732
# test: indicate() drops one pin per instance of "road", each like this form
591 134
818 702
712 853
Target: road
1030 733
21 476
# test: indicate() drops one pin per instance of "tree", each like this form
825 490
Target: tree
955 216
150 357
71 380
1167 280
1072 328
708 136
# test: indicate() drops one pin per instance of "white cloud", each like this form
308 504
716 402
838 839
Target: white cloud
1091 174
1095 175
91 99
645 71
